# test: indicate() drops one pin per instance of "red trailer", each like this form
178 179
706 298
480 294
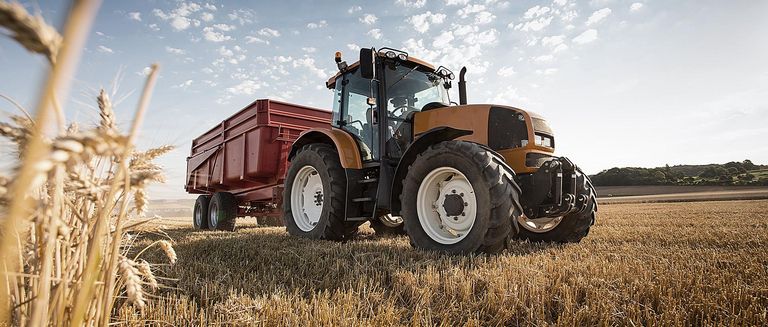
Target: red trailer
241 163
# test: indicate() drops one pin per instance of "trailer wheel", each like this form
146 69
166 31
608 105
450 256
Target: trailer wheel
459 197
388 225
200 213
566 229
222 212
315 195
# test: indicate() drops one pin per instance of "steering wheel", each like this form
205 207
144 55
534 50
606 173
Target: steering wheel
404 110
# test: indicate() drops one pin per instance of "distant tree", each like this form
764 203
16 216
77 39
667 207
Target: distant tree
713 172
733 170
725 179
747 177
748 165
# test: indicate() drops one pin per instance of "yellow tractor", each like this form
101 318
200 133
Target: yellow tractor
456 178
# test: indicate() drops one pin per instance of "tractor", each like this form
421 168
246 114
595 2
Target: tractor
454 177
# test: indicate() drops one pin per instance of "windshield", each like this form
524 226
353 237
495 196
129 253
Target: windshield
411 88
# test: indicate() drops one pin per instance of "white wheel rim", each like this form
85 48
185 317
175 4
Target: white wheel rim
436 205
391 221
214 219
307 198
539 225
199 215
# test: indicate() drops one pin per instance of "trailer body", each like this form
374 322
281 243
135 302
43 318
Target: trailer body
247 154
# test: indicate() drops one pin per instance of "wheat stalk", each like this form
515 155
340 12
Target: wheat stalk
130 275
30 31
146 271
169 251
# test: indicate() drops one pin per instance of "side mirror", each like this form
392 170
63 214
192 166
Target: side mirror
366 63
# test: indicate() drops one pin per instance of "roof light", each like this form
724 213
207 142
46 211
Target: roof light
391 54
402 56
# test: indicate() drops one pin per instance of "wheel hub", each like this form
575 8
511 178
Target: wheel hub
446 205
453 205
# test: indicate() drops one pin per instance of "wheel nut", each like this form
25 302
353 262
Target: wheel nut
461 194
466 204
455 218
463 214
453 191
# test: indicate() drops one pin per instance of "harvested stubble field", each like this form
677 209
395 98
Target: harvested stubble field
696 263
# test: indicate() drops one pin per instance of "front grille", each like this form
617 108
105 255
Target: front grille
506 129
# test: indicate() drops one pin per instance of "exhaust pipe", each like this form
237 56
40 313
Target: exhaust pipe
462 86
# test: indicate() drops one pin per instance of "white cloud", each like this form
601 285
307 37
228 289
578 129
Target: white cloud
353 47
421 22
309 49
548 71
268 32
456 2
179 17
224 27
543 58
484 17
154 27
319 24
226 52
411 3
598 16
533 25
536 11
210 7
175 51
482 38
561 2
185 84
586 37
443 40
369 19
375 33
506 71
246 87
104 49
135 16
552 41
180 23
560 47
211 35
470 9
144 72
636 6
309 64
354 9
206 16
253 39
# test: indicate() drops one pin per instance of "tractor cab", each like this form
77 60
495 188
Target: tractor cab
375 103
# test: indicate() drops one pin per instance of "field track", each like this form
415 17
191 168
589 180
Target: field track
699 263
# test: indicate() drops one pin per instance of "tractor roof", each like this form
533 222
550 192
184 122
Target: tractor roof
331 83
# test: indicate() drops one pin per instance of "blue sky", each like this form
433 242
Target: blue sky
623 83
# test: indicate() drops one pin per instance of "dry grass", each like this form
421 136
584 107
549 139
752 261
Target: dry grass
701 263
72 202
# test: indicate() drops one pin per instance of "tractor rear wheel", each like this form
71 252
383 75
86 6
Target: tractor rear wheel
222 212
315 195
570 228
200 213
388 225
459 197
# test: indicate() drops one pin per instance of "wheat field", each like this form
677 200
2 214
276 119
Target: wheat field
699 263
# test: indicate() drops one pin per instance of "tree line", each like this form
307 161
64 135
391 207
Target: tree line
731 173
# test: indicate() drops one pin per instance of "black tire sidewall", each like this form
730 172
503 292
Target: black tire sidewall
202 203
303 159
418 171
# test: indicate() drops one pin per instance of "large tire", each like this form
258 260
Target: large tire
200 212
326 219
571 229
496 199
385 226
222 212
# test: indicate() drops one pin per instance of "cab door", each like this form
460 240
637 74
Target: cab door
352 113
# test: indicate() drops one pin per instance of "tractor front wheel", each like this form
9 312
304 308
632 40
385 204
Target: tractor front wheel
459 197
388 225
